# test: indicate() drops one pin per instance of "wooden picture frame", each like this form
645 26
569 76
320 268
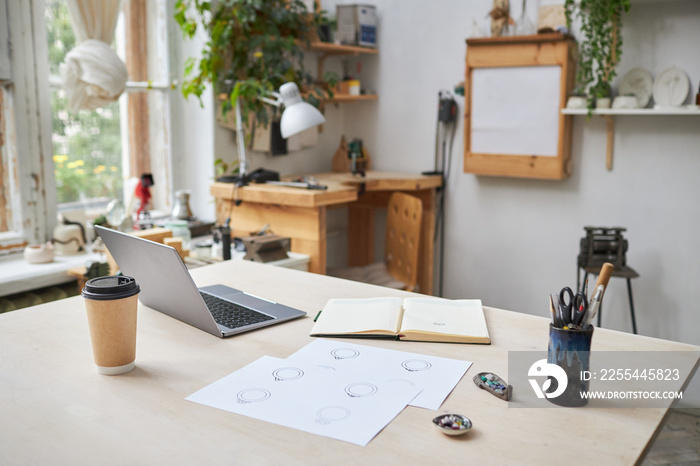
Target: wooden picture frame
515 89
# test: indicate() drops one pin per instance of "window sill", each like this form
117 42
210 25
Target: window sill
18 275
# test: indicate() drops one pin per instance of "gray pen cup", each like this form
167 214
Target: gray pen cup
570 350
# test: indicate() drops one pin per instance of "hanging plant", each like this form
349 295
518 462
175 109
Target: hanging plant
253 47
600 46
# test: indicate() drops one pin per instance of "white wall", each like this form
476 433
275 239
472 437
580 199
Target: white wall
192 129
509 241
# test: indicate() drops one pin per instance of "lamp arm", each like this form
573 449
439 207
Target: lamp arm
277 102
242 161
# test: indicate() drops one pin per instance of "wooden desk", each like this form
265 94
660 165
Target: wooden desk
56 408
301 214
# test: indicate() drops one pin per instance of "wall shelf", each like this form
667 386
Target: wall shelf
336 49
347 98
325 50
610 113
634 111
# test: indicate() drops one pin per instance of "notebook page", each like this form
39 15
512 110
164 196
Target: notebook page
341 316
444 316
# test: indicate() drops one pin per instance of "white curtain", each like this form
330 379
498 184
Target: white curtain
92 73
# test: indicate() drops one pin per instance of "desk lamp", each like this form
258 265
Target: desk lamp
296 117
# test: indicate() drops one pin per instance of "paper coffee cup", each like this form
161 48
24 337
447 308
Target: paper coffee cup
111 304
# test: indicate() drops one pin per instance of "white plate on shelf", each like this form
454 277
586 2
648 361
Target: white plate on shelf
671 87
638 82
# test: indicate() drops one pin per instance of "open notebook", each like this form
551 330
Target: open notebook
416 319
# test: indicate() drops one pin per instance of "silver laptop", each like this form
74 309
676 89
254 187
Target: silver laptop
167 286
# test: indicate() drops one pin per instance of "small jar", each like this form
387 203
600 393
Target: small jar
180 230
203 250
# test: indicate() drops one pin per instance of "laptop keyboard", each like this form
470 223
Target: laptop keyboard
232 315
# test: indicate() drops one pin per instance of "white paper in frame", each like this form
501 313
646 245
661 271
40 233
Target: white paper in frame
516 110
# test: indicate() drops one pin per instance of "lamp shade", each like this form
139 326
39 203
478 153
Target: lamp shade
298 115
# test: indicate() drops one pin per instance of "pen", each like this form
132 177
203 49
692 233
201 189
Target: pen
593 307
553 311
558 316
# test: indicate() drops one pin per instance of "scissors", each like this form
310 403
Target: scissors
572 307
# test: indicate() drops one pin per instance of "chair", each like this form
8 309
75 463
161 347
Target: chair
401 241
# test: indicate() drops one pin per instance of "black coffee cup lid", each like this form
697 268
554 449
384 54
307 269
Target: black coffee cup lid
108 288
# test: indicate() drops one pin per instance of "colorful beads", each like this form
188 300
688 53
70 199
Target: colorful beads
494 384
453 424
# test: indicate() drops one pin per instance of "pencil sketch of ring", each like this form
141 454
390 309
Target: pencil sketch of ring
415 365
345 353
287 373
358 389
252 395
332 414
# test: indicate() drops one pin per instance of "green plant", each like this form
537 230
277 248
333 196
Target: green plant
221 168
326 26
600 48
603 90
253 47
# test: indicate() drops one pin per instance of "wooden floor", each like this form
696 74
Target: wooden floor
678 443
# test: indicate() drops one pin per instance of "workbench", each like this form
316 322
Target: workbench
56 408
301 214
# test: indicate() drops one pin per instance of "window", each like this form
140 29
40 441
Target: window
54 160
99 155
87 145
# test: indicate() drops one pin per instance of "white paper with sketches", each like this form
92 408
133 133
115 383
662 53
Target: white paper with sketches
435 376
311 398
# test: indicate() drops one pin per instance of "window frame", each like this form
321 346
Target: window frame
29 180
29 119
5 67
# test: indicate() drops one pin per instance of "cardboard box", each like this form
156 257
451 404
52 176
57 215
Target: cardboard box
357 25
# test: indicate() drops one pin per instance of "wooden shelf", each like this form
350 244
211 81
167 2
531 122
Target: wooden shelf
633 111
347 98
610 113
337 98
337 49
536 38
325 50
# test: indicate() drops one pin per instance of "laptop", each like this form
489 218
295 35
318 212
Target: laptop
167 287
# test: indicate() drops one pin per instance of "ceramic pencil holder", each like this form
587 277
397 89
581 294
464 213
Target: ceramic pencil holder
570 350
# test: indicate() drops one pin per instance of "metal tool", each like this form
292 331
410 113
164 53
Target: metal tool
298 184
601 245
572 309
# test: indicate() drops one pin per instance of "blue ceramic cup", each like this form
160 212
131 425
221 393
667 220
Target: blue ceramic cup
570 350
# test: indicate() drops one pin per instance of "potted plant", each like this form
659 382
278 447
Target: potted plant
577 99
253 47
600 46
326 27
603 95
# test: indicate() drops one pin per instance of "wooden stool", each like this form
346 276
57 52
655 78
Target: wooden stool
625 272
